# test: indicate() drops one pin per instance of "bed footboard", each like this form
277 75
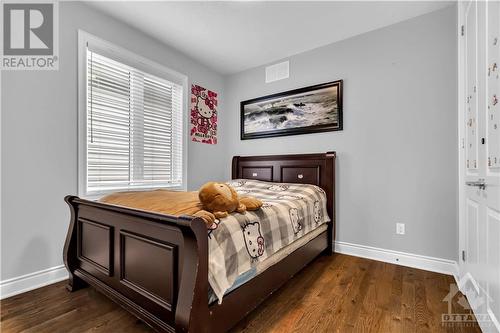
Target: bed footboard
153 265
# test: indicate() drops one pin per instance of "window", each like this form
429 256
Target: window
133 123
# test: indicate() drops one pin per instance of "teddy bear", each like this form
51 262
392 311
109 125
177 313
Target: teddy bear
219 199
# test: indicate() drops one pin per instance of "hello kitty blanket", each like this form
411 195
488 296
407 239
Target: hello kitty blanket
237 243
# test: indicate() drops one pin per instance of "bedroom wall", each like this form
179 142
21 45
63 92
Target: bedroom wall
39 115
397 154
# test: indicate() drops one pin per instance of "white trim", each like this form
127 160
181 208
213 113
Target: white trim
432 264
147 65
32 281
493 319
461 132
1 112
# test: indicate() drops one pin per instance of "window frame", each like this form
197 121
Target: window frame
134 60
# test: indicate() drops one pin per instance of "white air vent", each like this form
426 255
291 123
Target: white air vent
278 71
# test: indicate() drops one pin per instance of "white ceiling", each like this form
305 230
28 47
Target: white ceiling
233 36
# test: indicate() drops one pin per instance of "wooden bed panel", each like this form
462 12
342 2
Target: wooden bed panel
155 278
95 245
263 172
302 175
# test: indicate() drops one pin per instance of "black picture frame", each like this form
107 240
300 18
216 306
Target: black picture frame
298 130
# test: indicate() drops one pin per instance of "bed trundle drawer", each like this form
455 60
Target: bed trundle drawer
303 175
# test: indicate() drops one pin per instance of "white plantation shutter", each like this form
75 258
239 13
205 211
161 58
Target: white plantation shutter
134 127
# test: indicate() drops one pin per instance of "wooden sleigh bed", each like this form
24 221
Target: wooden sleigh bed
156 266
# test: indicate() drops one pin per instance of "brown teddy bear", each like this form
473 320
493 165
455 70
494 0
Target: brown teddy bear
221 199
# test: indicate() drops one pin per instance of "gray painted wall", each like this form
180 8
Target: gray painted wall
39 139
397 154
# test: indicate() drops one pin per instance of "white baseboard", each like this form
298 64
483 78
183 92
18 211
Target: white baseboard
432 264
32 281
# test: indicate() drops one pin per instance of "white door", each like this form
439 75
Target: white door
479 103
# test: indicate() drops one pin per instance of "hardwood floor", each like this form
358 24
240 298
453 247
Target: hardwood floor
333 294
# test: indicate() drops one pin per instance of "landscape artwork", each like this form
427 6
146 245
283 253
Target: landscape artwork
306 110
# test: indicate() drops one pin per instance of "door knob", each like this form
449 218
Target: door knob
477 183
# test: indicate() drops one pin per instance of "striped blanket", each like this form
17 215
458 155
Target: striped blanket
239 242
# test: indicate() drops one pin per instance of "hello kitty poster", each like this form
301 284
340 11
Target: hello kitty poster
203 115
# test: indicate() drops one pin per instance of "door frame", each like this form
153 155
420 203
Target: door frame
461 8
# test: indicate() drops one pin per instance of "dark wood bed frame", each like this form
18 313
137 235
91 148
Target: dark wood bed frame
156 266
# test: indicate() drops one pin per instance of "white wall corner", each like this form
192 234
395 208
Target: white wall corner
24 283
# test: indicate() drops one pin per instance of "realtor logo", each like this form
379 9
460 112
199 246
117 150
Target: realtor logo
29 36
474 297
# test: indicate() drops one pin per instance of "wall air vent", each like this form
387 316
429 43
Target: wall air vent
278 71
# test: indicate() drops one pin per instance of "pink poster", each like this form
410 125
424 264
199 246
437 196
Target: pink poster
203 115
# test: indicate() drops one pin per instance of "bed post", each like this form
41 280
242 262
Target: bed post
191 314
330 172
70 249
235 166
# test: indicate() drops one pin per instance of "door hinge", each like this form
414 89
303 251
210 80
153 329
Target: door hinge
462 30
463 255
463 143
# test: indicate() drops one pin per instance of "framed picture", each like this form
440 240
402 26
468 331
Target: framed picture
311 109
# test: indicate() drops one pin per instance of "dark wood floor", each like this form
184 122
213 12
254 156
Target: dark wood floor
334 294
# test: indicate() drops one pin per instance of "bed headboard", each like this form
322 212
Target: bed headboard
317 169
